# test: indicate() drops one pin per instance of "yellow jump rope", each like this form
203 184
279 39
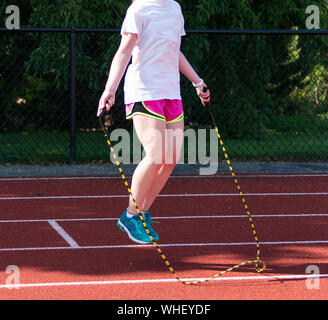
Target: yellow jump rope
256 262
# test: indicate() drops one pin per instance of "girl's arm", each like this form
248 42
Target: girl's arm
117 69
191 74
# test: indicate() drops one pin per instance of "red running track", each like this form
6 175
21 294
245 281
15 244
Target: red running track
61 234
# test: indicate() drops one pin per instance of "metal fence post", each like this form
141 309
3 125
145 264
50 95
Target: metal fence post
72 157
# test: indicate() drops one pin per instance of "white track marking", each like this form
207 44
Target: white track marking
185 195
302 215
63 234
146 281
150 246
245 216
225 175
74 245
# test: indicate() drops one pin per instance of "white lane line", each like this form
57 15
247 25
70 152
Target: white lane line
245 216
64 234
223 175
145 281
150 246
236 216
185 195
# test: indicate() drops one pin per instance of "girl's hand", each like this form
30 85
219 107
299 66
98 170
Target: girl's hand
107 100
205 97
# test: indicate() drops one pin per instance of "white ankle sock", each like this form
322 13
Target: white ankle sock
130 215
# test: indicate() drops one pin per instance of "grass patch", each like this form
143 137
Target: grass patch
294 138
53 147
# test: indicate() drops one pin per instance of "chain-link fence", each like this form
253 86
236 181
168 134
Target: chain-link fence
269 93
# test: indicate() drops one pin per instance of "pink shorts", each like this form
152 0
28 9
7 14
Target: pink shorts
165 110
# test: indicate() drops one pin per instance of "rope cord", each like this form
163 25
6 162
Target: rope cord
256 262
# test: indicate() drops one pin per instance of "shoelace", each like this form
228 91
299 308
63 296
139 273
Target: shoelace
149 219
137 222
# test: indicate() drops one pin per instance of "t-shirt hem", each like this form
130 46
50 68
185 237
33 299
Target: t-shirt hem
151 98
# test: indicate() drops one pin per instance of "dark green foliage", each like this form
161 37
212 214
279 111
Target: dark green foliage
252 78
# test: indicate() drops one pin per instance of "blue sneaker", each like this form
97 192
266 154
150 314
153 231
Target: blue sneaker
149 221
134 228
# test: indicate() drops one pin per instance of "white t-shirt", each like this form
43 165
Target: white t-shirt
154 71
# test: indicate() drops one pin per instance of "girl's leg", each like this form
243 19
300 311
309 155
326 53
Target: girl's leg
173 143
151 133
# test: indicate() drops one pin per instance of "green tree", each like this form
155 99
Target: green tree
251 77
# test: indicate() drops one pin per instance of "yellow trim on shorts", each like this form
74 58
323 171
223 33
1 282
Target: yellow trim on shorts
180 117
156 114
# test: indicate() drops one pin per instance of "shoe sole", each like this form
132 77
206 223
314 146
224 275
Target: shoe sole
125 229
